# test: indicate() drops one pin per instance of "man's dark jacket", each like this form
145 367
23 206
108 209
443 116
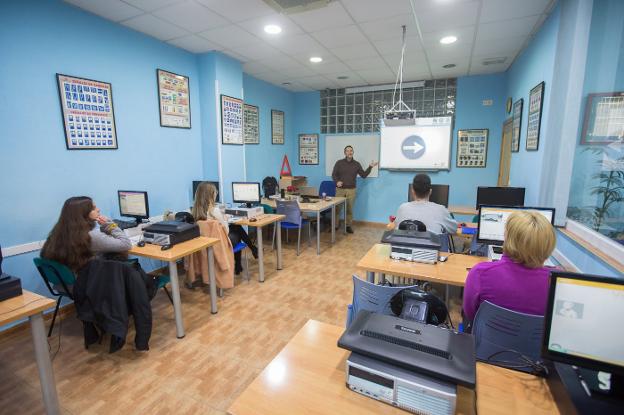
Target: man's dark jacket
107 292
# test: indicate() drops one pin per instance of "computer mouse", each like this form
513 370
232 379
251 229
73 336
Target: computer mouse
442 258
141 244
253 220
165 247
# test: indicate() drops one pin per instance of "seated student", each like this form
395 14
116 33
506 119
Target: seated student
75 239
435 217
205 207
519 281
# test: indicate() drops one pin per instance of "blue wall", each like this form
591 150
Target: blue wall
39 39
265 159
534 65
391 187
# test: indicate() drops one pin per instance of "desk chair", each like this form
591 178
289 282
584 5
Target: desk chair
59 279
497 329
293 220
371 297
240 247
328 187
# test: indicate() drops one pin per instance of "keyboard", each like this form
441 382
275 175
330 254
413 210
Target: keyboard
234 219
125 224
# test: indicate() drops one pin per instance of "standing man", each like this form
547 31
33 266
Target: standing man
344 175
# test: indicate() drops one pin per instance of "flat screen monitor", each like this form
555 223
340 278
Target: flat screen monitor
439 194
133 204
579 321
492 221
215 184
246 192
500 196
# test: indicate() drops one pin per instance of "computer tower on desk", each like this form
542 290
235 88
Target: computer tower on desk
9 286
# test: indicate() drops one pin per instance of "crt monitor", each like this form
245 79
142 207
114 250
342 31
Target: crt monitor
246 192
133 204
501 196
439 194
581 322
215 184
492 220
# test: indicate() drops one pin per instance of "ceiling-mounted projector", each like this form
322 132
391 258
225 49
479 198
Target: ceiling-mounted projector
400 114
399 118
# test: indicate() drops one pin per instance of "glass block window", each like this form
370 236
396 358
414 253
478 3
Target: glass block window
360 112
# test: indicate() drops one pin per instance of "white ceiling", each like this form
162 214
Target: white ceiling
359 39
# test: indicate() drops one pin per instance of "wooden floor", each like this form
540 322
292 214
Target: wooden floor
220 355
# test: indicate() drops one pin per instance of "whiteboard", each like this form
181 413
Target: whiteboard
423 146
365 150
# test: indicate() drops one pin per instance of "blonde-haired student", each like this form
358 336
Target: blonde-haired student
519 281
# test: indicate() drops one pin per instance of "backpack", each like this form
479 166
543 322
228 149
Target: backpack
269 186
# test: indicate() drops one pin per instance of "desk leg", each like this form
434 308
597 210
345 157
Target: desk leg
177 304
260 255
344 209
279 244
213 281
318 233
333 223
46 375
370 277
448 297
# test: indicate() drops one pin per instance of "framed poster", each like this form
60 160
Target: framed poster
517 125
472 148
88 116
536 98
231 120
604 118
251 124
174 101
277 127
308 149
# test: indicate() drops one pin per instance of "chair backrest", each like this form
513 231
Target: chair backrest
497 329
55 274
328 187
290 209
267 209
412 224
371 297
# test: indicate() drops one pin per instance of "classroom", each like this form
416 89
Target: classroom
428 151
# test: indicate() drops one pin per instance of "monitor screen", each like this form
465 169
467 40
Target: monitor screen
579 316
215 184
133 204
492 221
439 194
246 192
500 196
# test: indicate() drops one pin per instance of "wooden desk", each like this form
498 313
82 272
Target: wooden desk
261 222
308 376
171 256
32 305
452 272
462 210
317 208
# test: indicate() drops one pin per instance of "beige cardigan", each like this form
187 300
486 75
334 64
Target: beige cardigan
197 263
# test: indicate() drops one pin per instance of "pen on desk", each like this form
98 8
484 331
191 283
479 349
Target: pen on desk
582 381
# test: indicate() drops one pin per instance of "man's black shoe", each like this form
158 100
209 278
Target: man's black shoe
349 230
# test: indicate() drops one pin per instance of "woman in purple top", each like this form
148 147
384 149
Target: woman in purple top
519 281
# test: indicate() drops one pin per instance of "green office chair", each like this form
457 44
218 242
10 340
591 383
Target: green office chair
59 279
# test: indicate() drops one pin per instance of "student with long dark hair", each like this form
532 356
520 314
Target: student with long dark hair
75 239
205 207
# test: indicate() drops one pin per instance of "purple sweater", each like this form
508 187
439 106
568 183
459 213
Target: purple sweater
507 284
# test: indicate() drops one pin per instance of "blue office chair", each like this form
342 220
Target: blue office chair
293 220
241 247
328 187
497 330
60 281
371 297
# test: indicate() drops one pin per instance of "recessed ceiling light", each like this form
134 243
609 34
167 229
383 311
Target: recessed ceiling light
342 77
449 66
447 40
285 83
316 59
272 29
